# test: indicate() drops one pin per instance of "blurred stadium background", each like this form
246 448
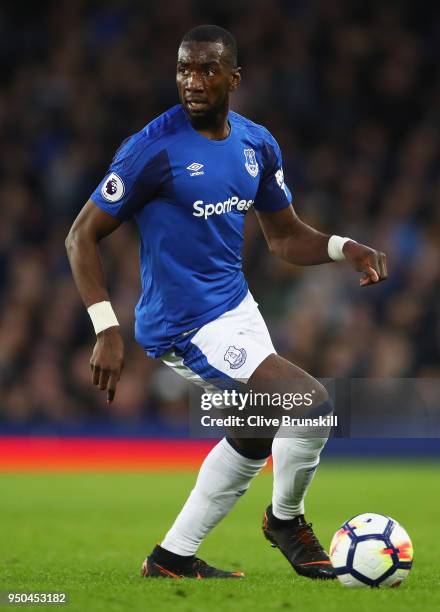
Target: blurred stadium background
350 90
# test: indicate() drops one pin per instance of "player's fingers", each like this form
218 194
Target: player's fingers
103 379
383 272
111 386
95 374
370 276
376 265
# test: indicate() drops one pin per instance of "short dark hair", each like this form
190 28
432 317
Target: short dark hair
213 33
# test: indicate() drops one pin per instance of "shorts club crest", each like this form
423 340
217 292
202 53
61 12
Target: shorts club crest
235 357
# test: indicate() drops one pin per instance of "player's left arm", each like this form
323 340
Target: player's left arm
294 241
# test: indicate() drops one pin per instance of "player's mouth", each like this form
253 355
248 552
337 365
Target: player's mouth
196 105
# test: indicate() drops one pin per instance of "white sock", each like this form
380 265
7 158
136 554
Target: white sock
224 476
294 464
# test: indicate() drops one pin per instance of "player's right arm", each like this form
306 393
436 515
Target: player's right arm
132 179
82 244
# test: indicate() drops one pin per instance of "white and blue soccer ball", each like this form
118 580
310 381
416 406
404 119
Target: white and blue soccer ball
371 550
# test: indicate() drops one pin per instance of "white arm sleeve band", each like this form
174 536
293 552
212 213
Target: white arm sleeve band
334 247
102 316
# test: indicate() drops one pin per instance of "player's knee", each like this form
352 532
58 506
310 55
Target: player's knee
308 447
252 448
320 394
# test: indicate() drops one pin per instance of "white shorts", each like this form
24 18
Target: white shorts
230 348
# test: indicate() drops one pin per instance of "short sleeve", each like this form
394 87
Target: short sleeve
273 193
133 178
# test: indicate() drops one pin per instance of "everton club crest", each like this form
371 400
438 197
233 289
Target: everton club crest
235 357
251 162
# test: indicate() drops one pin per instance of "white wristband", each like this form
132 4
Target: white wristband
334 247
102 316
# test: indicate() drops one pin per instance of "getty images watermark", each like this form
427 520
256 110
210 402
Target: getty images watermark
250 401
362 408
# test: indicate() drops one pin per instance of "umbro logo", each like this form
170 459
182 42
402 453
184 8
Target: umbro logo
195 169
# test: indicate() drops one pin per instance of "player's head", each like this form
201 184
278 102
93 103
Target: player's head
207 72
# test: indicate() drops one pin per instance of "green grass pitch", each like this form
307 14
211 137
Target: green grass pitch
87 534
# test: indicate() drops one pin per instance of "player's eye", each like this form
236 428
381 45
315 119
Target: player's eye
183 70
210 72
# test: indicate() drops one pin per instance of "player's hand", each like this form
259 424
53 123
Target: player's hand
107 361
372 263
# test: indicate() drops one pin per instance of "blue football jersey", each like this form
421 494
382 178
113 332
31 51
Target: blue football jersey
189 196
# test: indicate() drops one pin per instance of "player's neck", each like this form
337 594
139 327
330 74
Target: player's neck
214 133
217 128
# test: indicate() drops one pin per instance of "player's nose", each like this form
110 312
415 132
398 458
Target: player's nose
194 82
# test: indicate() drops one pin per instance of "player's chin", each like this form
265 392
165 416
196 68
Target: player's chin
199 111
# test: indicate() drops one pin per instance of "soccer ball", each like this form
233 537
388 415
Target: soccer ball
371 550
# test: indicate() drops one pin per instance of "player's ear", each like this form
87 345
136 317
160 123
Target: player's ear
235 78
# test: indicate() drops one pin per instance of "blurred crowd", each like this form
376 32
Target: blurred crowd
351 91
